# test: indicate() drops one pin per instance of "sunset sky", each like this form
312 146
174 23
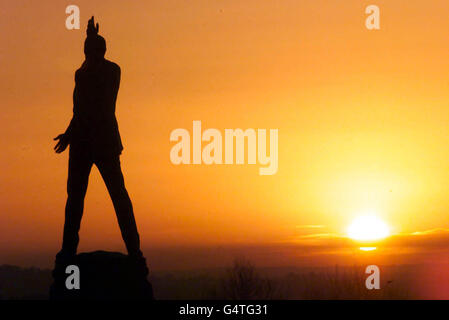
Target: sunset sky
363 120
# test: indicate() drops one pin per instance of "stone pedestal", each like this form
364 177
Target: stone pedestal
102 276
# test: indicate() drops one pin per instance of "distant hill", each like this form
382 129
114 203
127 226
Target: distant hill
24 283
397 282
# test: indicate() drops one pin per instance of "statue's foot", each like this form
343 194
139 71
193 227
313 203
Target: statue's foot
139 263
63 259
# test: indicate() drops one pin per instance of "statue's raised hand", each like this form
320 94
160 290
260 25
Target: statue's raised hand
92 29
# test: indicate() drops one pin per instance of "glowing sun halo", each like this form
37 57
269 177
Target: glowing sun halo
368 228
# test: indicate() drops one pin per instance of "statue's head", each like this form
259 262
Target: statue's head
94 47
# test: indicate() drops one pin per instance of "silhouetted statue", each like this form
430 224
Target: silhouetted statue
94 138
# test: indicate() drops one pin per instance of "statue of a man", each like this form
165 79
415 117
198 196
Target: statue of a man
94 138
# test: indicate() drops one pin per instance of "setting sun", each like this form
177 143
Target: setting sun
368 228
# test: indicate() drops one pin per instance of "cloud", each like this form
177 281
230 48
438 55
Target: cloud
310 226
429 239
420 241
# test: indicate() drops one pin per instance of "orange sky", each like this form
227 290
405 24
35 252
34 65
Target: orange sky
362 117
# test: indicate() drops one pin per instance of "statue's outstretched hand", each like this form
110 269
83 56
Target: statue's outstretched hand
92 29
62 144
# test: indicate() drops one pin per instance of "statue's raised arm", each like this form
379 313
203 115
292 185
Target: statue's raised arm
92 29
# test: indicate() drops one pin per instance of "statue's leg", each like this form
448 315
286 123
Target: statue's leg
80 164
112 175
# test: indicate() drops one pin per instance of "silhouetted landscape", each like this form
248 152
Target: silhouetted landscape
243 281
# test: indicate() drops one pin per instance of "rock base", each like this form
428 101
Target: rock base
102 276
